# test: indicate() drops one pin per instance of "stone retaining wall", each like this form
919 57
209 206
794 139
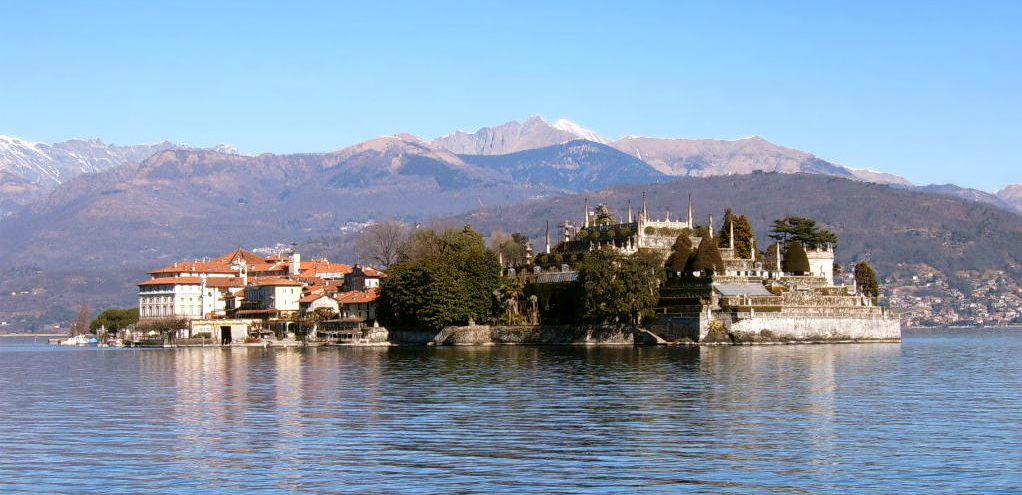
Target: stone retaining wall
525 334
782 328
679 329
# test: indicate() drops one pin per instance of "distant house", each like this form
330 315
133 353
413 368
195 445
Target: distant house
358 304
362 278
310 303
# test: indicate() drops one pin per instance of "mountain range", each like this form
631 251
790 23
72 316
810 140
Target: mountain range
28 170
83 214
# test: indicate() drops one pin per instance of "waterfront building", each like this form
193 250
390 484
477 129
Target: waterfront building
263 293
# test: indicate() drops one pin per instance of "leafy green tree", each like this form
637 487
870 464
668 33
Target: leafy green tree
618 288
450 282
707 257
599 289
114 319
795 259
641 274
866 280
803 230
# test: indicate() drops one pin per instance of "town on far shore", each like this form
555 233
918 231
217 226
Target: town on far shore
631 277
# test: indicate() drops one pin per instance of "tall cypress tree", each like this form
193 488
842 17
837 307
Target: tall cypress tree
866 280
739 224
724 239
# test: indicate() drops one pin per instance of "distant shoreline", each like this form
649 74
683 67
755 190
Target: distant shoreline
33 335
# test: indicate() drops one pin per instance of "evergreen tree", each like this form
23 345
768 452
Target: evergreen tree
743 237
724 239
795 259
707 257
866 280
803 230
681 252
742 232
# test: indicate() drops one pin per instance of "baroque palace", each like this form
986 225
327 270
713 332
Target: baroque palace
752 297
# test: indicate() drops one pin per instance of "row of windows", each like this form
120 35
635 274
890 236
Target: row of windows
166 310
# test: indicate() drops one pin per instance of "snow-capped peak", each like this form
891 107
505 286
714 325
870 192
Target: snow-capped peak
569 126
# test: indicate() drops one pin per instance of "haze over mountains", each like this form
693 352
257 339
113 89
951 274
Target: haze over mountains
86 214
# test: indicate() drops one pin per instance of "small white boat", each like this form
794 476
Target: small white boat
84 339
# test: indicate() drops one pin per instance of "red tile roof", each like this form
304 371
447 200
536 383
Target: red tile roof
272 269
248 256
357 296
195 267
322 266
312 297
172 281
224 282
277 282
372 272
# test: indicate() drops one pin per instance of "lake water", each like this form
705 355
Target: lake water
940 412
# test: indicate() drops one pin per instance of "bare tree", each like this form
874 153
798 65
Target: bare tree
511 248
380 242
81 324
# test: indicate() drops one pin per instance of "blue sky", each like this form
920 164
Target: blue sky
925 89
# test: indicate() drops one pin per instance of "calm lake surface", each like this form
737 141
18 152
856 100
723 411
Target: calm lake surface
940 412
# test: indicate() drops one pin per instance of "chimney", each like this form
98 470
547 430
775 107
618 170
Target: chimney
295 263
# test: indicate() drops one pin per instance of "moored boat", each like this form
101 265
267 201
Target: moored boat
82 340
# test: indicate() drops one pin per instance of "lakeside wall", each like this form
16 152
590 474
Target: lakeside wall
698 328
525 334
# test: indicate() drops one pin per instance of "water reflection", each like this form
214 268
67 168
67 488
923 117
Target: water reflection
516 419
